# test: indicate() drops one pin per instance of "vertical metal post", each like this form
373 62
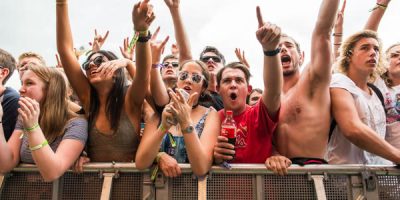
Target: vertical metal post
107 186
259 187
202 188
319 186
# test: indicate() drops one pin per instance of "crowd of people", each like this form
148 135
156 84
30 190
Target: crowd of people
162 110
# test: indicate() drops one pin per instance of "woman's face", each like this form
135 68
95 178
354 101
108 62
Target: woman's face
394 60
190 78
170 69
32 86
91 65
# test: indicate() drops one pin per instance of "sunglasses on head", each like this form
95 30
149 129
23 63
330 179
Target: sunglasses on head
97 61
216 59
174 64
195 77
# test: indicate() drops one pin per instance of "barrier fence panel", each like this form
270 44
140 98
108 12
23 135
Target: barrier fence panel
124 181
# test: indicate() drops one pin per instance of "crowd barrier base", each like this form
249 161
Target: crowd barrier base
244 181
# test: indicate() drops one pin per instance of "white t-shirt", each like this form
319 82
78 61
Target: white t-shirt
392 105
371 113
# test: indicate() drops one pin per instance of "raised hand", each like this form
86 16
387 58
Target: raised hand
29 111
175 50
157 47
267 34
108 68
142 15
182 108
98 41
172 3
241 57
127 52
59 64
339 19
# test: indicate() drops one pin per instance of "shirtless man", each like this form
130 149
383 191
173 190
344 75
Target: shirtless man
304 120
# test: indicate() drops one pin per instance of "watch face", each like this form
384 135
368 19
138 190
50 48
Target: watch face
189 129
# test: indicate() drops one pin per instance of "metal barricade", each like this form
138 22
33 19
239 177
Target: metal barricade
124 181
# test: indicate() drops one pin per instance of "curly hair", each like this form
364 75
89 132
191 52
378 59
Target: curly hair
346 52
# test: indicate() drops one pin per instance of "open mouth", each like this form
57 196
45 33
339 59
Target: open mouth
187 89
286 60
372 61
169 71
233 96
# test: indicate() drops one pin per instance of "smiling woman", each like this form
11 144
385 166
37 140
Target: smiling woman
112 107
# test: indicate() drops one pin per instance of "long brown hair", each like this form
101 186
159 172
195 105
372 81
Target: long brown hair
54 112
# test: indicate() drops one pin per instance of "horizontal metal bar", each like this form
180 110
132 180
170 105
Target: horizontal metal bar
241 169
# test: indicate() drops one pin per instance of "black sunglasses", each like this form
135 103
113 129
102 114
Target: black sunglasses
174 64
195 77
213 58
97 61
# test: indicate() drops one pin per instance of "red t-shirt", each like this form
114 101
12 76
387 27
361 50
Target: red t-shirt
254 130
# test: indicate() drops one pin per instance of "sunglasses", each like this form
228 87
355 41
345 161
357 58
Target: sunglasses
97 61
195 77
174 64
216 59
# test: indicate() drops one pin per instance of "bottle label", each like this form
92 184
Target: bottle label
228 132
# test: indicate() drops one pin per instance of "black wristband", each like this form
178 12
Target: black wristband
144 38
273 52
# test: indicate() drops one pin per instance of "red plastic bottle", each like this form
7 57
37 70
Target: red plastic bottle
228 128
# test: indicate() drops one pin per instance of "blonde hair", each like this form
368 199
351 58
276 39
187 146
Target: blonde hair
385 75
34 55
54 110
346 52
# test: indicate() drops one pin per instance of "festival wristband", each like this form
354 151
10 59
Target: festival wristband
32 128
39 146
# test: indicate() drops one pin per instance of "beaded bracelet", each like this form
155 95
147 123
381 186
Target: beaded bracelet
39 146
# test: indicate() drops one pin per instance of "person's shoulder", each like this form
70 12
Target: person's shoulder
77 121
11 93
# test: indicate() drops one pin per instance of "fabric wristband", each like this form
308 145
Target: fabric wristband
156 66
39 146
273 52
32 128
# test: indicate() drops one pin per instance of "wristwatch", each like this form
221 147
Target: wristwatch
188 129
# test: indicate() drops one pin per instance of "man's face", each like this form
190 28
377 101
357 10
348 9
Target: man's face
365 55
233 89
394 61
21 67
169 70
290 57
254 97
213 62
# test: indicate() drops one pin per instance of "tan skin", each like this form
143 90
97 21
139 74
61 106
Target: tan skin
51 164
199 149
305 114
101 78
234 81
362 63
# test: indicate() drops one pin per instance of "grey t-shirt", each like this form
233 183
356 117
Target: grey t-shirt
76 129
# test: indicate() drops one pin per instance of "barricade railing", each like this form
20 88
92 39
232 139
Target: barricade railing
243 181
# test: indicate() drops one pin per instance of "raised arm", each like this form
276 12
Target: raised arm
321 53
343 109
269 36
142 17
338 31
376 15
67 54
157 86
181 37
